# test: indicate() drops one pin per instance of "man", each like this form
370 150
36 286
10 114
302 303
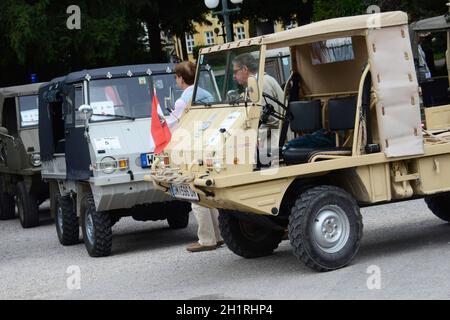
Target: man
424 70
244 66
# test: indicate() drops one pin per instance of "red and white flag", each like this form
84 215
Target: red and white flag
159 128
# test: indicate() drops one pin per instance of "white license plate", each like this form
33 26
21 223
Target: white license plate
183 191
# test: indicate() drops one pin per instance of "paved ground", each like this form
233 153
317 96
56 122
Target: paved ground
404 242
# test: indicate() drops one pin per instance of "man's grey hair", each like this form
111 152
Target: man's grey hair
247 60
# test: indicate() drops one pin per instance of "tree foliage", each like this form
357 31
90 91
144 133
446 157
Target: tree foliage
34 37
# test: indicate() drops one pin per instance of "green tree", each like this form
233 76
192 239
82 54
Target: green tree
324 9
281 10
174 17
417 9
35 38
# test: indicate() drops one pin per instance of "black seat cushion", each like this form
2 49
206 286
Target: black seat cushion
306 116
303 155
341 113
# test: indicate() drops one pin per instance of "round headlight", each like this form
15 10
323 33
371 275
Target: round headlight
108 165
35 159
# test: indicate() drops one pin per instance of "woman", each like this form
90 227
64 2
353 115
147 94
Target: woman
208 219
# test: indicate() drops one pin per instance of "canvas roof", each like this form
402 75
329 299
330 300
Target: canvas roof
317 31
119 71
28 89
433 24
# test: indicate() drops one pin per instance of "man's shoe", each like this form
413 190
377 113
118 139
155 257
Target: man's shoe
220 243
197 247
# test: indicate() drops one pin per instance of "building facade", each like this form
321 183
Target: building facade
208 35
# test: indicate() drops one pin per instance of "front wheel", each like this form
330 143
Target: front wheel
325 228
247 239
27 206
96 226
66 220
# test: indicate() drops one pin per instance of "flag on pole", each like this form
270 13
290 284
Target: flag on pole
159 128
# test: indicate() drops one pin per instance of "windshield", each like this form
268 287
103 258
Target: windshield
131 97
29 112
223 75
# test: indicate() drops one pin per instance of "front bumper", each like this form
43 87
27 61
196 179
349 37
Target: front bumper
260 198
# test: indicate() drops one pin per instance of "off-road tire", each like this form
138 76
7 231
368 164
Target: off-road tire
178 215
53 194
27 206
237 236
100 243
7 205
439 204
307 210
66 221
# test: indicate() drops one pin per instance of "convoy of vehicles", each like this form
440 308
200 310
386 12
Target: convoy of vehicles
21 185
356 129
96 147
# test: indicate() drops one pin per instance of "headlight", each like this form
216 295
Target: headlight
108 165
35 159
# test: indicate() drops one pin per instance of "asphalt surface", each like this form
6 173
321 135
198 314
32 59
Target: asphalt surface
404 247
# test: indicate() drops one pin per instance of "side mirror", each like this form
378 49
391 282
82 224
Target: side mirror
253 89
86 110
4 131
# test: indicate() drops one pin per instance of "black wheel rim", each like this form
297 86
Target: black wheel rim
20 209
89 227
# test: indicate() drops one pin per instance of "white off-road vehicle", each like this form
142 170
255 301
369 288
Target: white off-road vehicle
96 147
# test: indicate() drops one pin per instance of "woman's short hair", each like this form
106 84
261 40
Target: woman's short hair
186 70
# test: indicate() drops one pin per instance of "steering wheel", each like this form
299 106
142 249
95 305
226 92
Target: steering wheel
269 111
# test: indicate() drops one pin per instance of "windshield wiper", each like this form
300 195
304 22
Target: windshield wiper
205 103
236 101
114 115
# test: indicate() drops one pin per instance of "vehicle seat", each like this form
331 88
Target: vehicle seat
435 92
341 116
306 116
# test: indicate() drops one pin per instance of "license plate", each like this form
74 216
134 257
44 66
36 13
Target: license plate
147 160
183 191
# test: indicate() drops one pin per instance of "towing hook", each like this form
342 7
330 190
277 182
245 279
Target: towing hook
131 175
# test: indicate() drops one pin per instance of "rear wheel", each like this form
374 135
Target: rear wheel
27 206
247 239
439 204
178 215
325 228
97 233
66 220
7 205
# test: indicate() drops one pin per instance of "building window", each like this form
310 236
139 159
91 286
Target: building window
240 33
209 37
189 43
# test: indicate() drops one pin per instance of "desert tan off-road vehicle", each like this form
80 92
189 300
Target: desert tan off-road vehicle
21 185
353 106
